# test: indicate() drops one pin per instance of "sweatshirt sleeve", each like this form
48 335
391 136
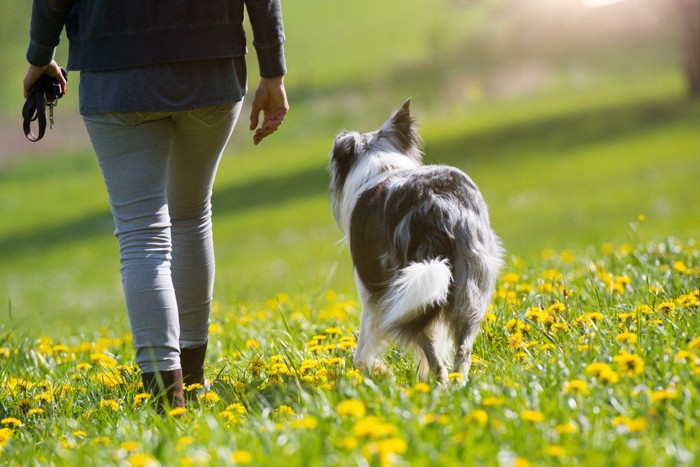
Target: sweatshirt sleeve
268 36
48 19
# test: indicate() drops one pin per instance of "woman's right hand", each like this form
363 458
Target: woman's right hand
34 72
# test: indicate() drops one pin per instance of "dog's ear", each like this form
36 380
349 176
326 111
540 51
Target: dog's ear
400 129
342 156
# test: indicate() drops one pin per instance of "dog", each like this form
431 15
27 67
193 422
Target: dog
425 257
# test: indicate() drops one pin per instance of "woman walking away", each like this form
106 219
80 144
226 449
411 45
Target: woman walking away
161 88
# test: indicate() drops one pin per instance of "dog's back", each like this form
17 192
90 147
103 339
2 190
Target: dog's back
433 215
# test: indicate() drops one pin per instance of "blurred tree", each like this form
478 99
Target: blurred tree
689 11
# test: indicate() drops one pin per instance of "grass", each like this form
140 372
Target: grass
590 353
557 174
585 358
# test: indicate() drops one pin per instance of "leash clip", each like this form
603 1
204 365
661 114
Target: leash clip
51 105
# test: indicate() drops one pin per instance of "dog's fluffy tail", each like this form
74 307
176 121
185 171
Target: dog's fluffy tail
417 287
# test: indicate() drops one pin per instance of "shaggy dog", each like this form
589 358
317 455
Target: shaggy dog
424 254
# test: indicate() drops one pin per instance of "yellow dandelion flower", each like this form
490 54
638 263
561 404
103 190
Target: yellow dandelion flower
337 362
680 266
391 446
103 359
140 398
663 395
284 411
11 422
354 376
422 387
308 422
666 308
576 386
214 329
373 427
556 307
142 460
110 404
629 364
184 441
688 301
510 277
177 412
596 368
334 331
256 366
567 256
632 425
237 408
36 411
209 397
686 356
555 451
110 380
44 397
252 344
694 344
478 416
230 418
548 253
130 446
351 408
314 348
492 401
608 377
330 296
241 457
101 440
626 337
566 428
455 377
68 444
348 443
5 435
521 462
533 416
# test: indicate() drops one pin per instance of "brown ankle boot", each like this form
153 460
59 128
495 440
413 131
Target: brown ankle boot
192 362
166 388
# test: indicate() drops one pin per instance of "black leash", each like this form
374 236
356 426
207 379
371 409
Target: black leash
45 91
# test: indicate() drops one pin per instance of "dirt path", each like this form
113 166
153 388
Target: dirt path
68 134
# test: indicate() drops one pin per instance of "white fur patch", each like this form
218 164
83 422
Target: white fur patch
417 286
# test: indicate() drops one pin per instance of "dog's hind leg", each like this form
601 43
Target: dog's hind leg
430 359
464 341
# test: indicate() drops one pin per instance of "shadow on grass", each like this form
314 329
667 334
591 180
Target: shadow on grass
61 235
556 135
552 136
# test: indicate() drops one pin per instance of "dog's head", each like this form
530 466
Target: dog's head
396 145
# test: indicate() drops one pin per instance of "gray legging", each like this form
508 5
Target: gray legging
159 169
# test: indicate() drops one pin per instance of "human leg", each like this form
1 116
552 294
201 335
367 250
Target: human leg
199 138
132 151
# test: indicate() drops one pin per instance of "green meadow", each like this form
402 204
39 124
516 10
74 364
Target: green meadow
576 126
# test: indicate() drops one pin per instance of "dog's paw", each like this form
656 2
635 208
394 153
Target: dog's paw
374 368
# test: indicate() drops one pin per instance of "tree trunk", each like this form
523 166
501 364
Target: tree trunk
690 18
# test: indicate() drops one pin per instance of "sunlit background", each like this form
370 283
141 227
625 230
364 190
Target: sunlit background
578 119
